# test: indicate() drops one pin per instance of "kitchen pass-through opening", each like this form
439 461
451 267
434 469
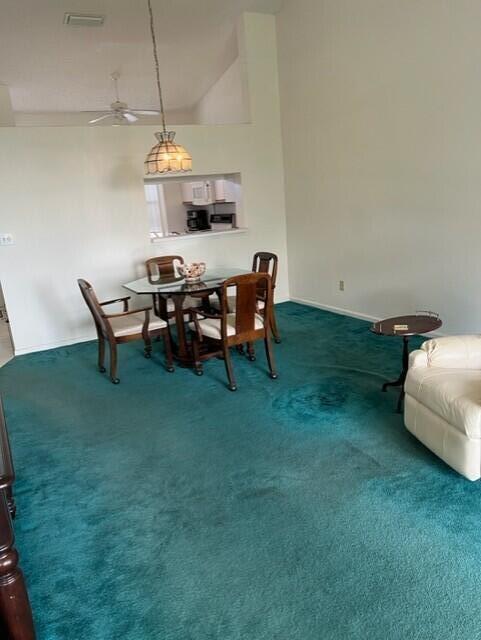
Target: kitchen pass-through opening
194 205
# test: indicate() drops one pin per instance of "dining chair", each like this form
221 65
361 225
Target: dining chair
128 325
158 268
161 268
263 262
266 262
246 323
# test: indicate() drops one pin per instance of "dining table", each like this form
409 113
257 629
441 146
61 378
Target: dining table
176 288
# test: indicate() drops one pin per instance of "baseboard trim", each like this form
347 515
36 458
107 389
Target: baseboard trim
339 310
66 342
353 314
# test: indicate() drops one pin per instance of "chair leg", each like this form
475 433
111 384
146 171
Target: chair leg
270 358
101 345
251 354
168 351
228 367
113 363
274 329
148 346
198 368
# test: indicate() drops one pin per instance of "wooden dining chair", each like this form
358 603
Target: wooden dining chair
244 323
266 262
128 325
263 262
159 269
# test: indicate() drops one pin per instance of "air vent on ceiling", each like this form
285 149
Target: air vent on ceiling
83 20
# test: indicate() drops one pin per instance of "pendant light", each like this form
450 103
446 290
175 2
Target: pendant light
167 156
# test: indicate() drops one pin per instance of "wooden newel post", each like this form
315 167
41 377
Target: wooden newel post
15 612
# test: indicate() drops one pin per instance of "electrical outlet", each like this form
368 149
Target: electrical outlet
6 239
341 285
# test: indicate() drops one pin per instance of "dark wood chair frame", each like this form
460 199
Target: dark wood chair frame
266 262
106 333
158 269
16 621
246 308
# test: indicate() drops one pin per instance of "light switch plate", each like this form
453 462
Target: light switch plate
6 239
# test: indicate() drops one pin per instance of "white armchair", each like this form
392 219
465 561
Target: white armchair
443 400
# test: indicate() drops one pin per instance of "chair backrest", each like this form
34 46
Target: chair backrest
247 287
265 262
162 267
93 304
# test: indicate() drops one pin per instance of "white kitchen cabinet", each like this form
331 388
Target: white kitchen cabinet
225 191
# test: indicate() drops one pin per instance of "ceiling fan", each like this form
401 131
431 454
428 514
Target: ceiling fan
120 111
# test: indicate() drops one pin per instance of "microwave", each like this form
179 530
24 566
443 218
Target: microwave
222 221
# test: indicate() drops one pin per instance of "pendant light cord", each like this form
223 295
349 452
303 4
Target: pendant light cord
156 60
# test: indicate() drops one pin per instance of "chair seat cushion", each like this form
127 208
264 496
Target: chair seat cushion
452 394
210 327
132 324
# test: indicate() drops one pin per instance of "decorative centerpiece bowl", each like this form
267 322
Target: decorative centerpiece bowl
192 272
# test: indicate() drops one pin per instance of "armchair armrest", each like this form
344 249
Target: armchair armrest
128 313
454 352
125 300
417 359
195 311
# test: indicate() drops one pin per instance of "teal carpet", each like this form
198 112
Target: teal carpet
298 509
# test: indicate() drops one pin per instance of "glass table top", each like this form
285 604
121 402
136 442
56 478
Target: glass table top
211 280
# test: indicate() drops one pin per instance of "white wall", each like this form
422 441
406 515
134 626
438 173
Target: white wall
73 197
226 102
381 104
6 113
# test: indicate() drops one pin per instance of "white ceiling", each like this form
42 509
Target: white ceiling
51 67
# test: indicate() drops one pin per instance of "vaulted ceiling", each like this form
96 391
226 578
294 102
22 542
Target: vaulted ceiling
52 67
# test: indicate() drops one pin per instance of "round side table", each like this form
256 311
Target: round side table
405 327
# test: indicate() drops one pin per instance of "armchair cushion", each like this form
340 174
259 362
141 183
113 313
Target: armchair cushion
418 358
210 327
454 352
133 323
452 394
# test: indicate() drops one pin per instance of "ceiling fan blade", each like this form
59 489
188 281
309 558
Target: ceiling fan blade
145 112
106 115
129 116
